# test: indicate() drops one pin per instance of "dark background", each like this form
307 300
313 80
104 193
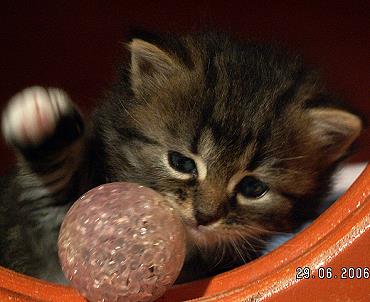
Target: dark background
74 44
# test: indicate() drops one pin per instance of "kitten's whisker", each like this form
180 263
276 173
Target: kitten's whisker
130 115
195 243
291 158
284 170
198 247
274 154
252 236
238 250
244 239
233 244
224 247
262 230
219 244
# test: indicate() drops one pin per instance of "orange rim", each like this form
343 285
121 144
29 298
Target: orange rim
339 239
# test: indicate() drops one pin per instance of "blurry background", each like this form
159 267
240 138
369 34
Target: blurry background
75 44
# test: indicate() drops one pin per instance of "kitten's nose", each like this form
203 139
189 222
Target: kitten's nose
210 203
205 219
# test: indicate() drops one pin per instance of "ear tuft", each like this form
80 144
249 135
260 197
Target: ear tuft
334 130
149 63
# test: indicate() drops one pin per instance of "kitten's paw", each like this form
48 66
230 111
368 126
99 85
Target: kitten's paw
32 116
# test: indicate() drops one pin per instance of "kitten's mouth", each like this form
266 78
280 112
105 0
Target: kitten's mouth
195 232
200 234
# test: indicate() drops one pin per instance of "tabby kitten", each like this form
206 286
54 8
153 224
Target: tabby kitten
240 138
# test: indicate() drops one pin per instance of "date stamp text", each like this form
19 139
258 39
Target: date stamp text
329 273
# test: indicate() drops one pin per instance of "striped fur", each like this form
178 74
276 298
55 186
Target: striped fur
236 109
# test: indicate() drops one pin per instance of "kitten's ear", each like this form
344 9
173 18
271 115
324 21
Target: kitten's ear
334 131
149 64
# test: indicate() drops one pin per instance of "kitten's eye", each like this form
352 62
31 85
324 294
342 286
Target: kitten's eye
251 187
182 163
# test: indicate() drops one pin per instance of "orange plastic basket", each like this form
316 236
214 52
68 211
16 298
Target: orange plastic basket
337 242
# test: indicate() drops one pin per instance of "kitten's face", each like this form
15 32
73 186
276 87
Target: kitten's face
227 140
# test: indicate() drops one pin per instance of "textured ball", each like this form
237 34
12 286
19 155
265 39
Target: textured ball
121 242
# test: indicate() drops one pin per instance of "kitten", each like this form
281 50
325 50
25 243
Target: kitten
239 137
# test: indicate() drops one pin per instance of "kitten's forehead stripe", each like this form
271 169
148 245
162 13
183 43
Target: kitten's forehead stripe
263 136
210 72
204 119
195 143
207 145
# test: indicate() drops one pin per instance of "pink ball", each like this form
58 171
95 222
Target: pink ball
121 242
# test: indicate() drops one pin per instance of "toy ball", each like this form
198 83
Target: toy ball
121 242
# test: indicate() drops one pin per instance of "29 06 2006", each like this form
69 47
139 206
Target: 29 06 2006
330 273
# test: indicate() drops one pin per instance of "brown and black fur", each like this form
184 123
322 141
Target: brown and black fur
238 109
